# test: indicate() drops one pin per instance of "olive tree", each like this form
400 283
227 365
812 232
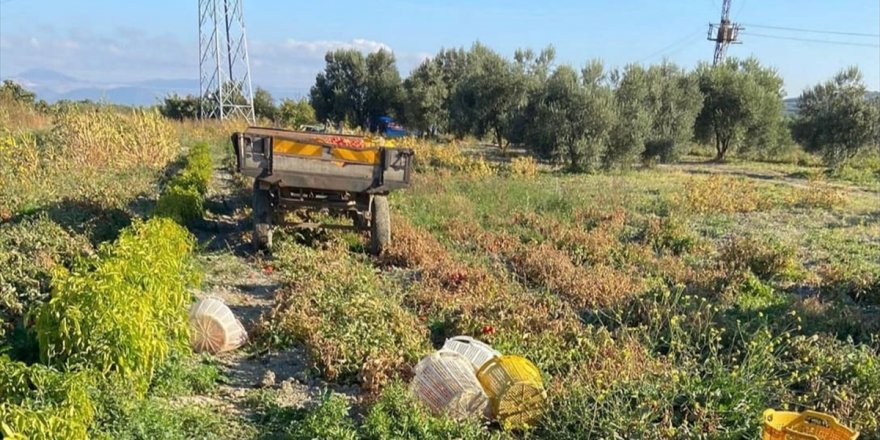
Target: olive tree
835 118
572 118
634 117
674 101
742 105
424 98
487 98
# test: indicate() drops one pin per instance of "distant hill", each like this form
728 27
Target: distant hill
54 86
791 104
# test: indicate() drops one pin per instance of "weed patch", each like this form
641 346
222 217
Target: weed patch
720 195
352 324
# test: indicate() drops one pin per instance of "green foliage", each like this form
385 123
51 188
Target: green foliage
327 420
179 107
835 376
123 310
41 403
425 98
17 92
674 101
742 105
397 414
183 374
264 105
122 415
29 251
836 119
354 89
181 203
571 119
295 113
183 198
384 90
633 122
486 99
338 94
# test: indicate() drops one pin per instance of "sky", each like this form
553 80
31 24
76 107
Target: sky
123 41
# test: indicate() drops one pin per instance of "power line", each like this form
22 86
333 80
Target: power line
811 40
686 39
814 31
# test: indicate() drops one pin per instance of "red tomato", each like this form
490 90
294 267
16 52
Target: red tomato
488 330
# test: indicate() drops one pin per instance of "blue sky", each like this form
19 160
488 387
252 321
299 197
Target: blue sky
120 41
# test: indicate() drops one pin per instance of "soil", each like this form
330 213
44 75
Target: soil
236 275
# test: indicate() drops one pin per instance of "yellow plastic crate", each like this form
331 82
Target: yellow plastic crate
515 389
807 425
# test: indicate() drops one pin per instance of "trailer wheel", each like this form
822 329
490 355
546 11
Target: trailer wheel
262 215
380 225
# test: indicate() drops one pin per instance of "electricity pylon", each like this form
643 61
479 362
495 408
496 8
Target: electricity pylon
726 34
224 66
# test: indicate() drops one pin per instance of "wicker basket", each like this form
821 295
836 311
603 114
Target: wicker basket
808 425
515 389
213 327
445 382
477 352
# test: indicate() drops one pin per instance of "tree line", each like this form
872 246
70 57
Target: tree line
596 117
291 113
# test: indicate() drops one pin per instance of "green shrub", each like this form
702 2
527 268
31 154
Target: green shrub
183 198
328 420
181 203
397 414
763 256
669 234
199 167
123 310
29 250
38 402
182 374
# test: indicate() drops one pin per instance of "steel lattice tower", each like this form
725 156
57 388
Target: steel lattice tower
727 33
224 66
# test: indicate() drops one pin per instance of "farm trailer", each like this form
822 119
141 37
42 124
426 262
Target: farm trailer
341 174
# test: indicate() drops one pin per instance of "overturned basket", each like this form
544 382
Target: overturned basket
213 327
515 389
444 381
477 352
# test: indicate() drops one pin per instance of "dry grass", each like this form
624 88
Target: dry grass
524 167
720 195
93 138
817 195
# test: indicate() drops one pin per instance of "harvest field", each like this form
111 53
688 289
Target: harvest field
675 301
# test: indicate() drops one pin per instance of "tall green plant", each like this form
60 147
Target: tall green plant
124 310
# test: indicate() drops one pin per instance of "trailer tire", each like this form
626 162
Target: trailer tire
380 225
262 215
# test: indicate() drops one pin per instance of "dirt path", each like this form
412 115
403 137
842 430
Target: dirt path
769 175
235 275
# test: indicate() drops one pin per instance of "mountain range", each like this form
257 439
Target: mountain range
55 86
